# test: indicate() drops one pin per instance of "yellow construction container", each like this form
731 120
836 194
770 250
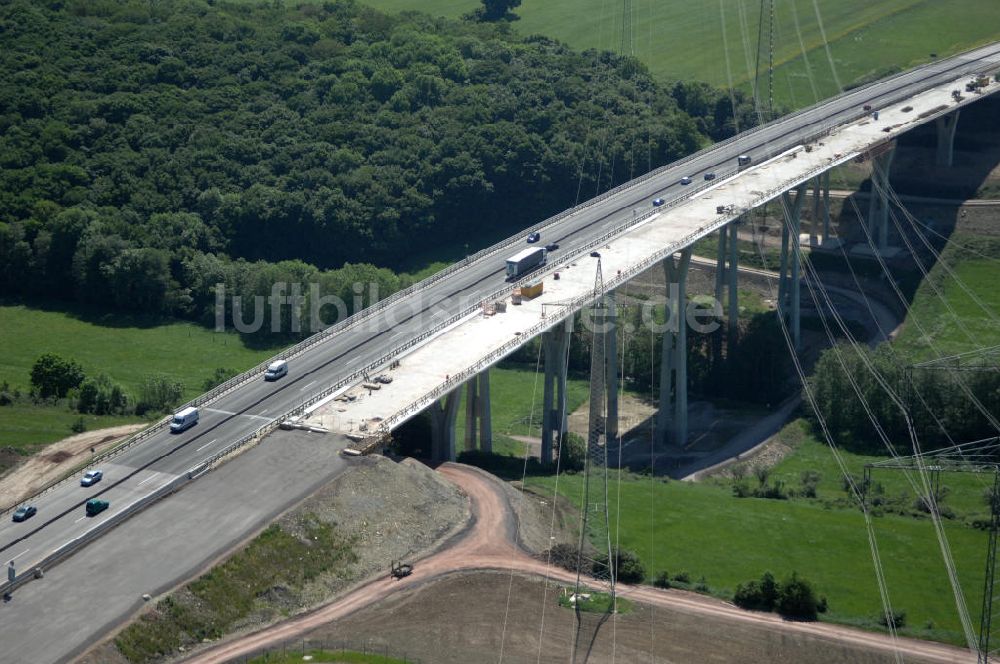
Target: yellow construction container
529 291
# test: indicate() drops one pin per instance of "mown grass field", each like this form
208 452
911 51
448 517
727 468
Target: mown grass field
950 315
684 40
25 426
703 530
125 348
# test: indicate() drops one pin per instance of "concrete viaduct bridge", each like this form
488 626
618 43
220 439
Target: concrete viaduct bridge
787 157
437 337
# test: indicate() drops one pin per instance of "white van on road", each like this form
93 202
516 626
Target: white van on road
276 370
184 419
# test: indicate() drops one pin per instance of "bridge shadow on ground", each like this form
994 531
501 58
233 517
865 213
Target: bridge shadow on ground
914 173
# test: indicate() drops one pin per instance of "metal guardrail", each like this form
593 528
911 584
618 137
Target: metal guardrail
367 313
453 381
494 356
65 550
97 459
456 380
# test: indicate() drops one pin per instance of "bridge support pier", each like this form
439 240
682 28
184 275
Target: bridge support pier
789 285
555 344
720 265
485 413
946 126
814 221
826 206
477 411
611 366
672 417
878 207
443 416
733 315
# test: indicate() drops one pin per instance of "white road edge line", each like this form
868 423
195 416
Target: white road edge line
203 447
216 410
146 480
307 386
19 555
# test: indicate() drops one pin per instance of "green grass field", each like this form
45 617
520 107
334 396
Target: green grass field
964 493
25 426
933 328
126 348
684 40
705 531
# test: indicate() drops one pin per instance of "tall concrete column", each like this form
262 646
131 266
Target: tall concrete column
611 370
668 355
443 416
720 264
783 267
788 297
826 206
485 413
731 275
555 343
672 417
878 207
814 222
471 409
796 283
946 126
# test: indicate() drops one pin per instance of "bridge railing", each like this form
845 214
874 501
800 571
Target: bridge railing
358 317
569 308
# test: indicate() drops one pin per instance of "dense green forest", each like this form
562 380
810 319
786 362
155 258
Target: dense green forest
149 150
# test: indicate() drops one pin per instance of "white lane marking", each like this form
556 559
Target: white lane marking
19 555
80 519
352 359
146 480
261 413
307 386
223 412
203 446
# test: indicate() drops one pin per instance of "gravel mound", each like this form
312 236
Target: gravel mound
392 511
539 527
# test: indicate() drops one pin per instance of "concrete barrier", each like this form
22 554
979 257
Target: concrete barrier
65 550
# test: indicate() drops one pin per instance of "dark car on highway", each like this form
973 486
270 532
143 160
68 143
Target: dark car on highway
534 237
657 202
709 176
551 246
24 512
96 506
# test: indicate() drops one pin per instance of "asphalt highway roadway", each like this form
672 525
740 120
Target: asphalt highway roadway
164 456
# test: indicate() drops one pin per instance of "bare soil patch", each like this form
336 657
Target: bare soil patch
28 477
468 618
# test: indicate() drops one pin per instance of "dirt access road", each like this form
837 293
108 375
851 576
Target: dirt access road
488 543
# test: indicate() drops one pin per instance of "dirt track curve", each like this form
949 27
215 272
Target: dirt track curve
488 543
